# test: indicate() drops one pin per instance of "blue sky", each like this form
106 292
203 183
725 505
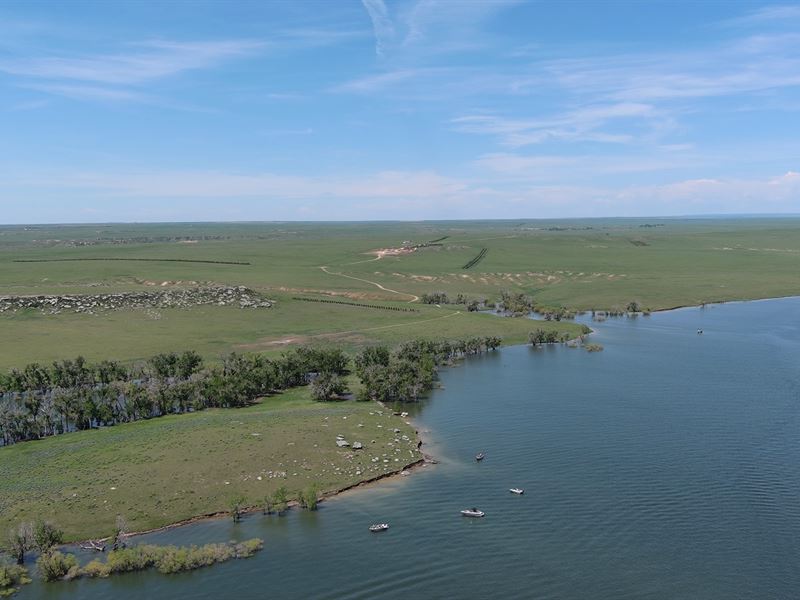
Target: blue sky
381 109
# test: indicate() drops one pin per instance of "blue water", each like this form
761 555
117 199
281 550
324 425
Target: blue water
666 466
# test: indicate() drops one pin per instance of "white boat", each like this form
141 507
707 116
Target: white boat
518 491
378 527
480 456
472 512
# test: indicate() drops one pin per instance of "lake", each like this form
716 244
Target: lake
666 466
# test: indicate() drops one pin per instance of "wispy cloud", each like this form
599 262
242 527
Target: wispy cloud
381 24
582 124
414 194
780 13
418 28
748 65
581 166
151 60
90 92
390 79
450 25
213 184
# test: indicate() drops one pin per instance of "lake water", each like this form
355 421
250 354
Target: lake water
666 466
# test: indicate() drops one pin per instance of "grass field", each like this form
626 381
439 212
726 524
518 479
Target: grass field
605 263
173 468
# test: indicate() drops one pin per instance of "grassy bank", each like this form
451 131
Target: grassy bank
174 468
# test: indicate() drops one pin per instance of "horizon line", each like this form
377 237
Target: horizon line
387 221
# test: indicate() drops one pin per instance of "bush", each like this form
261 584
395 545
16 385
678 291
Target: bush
309 498
168 559
55 565
96 570
248 548
326 386
11 577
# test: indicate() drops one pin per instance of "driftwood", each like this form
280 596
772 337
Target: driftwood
92 545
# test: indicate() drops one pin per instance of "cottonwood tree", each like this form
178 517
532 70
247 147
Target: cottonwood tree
19 541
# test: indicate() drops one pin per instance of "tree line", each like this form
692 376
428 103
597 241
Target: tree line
69 395
472 304
408 372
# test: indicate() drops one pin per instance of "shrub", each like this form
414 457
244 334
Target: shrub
309 498
11 577
167 559
326 386
55 565
248 548
96 569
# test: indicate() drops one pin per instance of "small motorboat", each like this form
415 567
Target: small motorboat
472 512
518 491
480 456
378 527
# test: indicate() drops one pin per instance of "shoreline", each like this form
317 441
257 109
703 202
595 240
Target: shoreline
424 459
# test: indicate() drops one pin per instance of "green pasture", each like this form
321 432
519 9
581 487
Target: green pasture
173 468
582 264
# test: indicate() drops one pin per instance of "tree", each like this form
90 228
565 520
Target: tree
120 533
310 497
368 357
326 386
19 541
237 507
46 536
280 499
187 364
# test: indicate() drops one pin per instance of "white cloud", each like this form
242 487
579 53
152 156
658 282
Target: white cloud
580 124
416 194
154 60
748 65
381 24
775 13
89 92
211 184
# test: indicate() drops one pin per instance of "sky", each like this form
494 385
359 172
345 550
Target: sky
407 109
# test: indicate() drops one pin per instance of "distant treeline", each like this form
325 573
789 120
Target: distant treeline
442 298
477 259
358 304
180 260
441 239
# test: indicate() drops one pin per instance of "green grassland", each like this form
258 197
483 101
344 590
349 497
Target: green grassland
134 335
585 264
174 468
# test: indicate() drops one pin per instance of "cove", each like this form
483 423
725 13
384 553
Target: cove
666 466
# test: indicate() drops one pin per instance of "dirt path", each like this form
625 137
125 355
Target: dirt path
378 285
359 262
